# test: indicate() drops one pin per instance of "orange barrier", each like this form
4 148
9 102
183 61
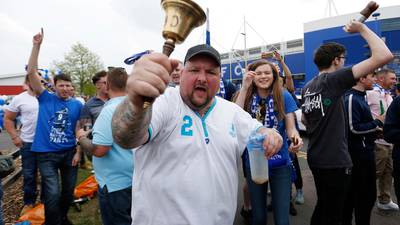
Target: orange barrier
88 188
35 216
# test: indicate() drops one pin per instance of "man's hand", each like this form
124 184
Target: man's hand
82 133
272 142
380 117
77 158
17 142
149 78
354 27
38 38
296 145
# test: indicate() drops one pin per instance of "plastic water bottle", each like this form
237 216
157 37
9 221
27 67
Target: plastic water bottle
258 162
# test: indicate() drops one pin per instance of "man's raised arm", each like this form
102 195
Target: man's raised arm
34 77
148 80
380 54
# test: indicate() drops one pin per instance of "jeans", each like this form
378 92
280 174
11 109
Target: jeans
362 195
280 183
1 207
115 207
29 169
57 199
332 186
396 176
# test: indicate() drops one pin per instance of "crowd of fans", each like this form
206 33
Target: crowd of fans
166 142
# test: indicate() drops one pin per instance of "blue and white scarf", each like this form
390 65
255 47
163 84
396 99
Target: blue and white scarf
221 92
270 119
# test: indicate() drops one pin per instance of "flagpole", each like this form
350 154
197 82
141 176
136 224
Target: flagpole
245 45
208 41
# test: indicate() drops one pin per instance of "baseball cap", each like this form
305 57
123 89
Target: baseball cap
203 49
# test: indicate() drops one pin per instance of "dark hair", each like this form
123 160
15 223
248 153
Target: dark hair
97 76
116 78
63 77
276 89
326 53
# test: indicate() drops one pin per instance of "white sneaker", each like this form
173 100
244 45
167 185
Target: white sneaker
388 206
299 197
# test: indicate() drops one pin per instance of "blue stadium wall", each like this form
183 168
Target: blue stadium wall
302 63
356 49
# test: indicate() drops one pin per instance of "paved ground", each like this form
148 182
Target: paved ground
304 211
6 144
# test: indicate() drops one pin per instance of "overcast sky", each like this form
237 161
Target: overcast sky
115 29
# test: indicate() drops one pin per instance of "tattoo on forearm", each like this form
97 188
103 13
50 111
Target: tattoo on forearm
129 127
87 145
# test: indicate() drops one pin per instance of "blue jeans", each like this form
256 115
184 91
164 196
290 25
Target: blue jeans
280 182
1 208
29 169
115 207
57 199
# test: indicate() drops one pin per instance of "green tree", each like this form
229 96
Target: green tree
81 64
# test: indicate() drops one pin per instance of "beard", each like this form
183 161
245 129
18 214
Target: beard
193 104
197 105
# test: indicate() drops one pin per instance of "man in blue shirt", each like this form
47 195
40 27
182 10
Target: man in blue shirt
113 165
55 141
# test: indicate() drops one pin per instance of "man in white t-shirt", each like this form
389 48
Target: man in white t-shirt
26 105
189 141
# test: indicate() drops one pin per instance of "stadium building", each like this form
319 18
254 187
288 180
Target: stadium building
298 53
11 84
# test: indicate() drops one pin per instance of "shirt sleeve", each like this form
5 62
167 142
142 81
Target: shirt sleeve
245 124
355 113
290 104
45 96
102 131
340 81
14 105
85 113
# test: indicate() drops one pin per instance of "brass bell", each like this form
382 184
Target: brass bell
181 16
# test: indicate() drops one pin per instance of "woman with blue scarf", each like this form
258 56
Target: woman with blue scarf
264 98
